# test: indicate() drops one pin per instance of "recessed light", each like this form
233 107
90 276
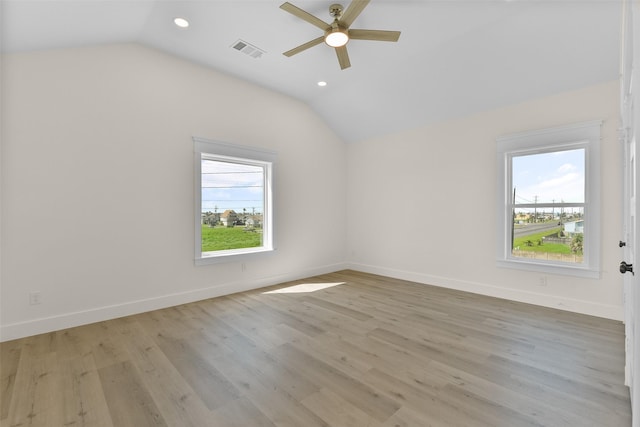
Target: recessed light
322 84
181 22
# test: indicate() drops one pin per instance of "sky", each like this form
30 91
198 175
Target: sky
538 178
232 186
550 177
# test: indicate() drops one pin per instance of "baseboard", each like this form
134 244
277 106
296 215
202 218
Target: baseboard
68 320
567 304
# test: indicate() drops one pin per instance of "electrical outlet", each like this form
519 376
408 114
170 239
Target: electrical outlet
35 298
543 281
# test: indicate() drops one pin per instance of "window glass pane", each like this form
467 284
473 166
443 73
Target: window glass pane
232 205
549 233
548 208
551 177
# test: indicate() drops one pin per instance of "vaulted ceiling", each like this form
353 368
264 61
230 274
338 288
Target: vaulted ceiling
453 58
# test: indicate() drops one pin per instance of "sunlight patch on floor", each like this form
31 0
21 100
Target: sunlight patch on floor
304 288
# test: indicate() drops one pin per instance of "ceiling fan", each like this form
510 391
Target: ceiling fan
337 34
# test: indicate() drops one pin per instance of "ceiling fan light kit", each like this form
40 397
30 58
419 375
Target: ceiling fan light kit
337 34
336 37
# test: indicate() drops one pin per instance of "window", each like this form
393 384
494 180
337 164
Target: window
548 200
233 214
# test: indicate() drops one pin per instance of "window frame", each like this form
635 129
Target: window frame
233 153
585 135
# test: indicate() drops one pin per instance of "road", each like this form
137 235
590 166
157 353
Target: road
526 229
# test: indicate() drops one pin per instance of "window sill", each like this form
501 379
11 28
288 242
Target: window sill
232 256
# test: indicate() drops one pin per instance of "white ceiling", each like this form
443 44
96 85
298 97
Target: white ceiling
453 58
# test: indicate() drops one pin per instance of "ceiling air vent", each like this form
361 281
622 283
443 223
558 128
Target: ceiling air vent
248 49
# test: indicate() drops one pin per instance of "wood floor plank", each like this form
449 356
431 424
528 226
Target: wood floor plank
539 411
42 344
178 403
276 400
255 321
590 397
268 371
328 348
239 413
210 385
341 349
38 403
425 398
9 358
109 351
407 417
339 308
130 403
294 316
82 394
338 412
350 389
484 410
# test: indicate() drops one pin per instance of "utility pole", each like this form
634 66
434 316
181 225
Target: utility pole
535 210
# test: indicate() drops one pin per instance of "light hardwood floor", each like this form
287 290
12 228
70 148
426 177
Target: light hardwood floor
368 351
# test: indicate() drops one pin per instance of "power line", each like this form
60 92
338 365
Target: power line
228 173
233 186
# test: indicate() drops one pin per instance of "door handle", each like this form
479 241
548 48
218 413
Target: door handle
622 244
624 267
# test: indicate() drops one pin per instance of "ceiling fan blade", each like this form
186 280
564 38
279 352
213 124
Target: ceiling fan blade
352 12
306 16
378 35
343 57
305 46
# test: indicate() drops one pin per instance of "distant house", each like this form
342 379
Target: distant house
210 218
254 221
574 227
229 218
522 218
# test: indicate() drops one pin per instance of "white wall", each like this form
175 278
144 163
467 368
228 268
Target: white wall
422 204
97 191
97 184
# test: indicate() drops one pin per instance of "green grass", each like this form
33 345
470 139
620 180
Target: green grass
222 238
555 248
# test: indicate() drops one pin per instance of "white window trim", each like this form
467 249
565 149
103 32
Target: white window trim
231 152
581 135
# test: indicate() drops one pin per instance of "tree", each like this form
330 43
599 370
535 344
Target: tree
576 244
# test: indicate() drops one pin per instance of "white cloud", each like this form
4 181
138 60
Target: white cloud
568 187
566 168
